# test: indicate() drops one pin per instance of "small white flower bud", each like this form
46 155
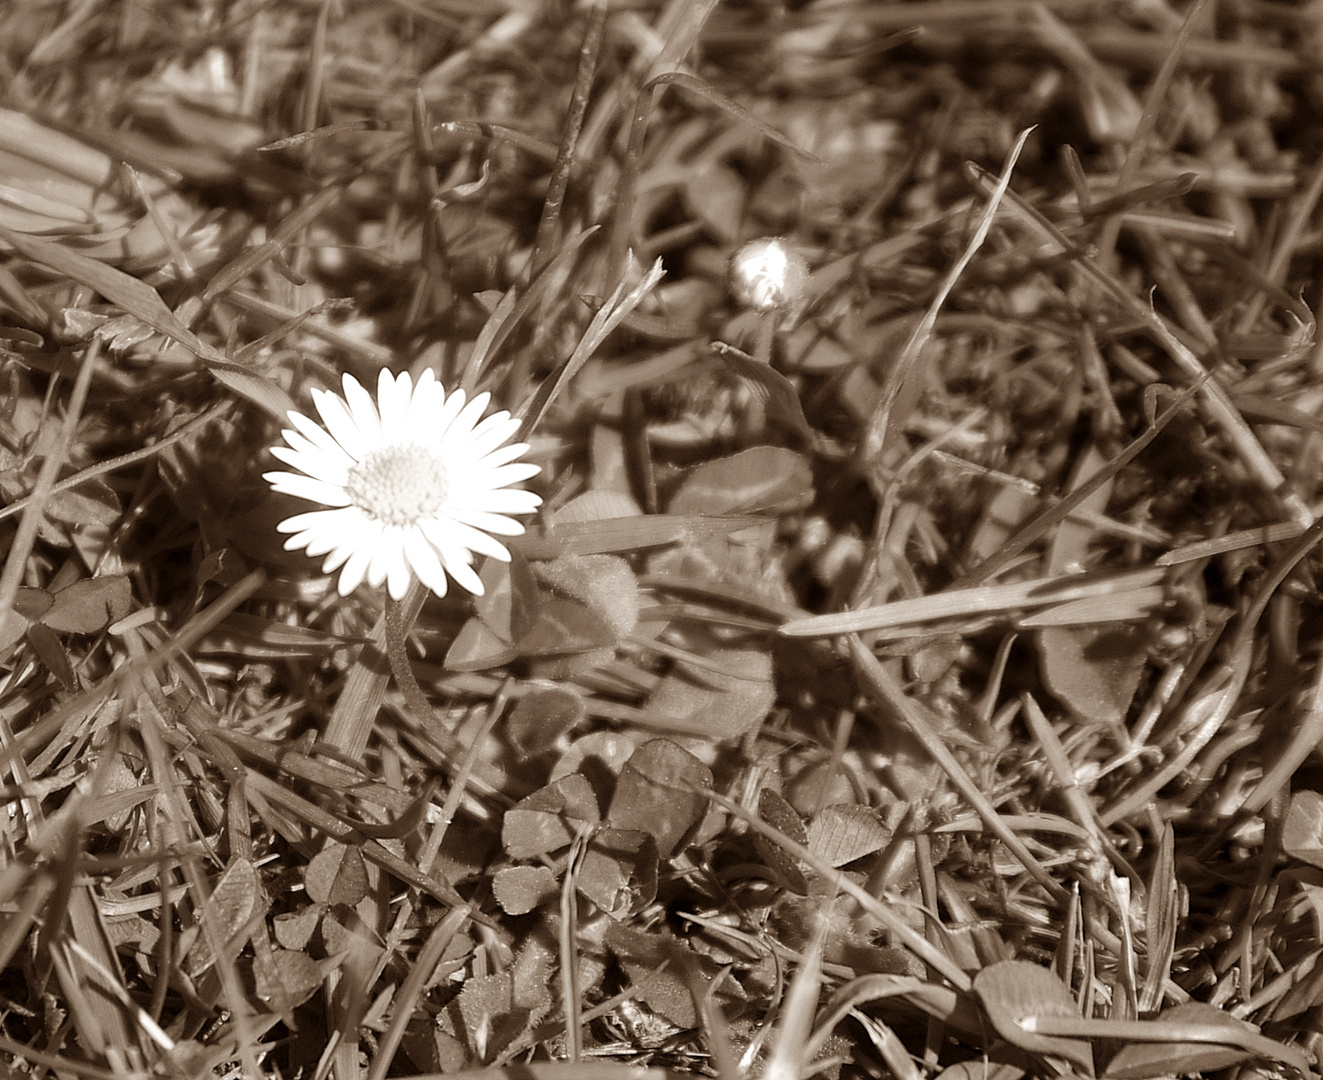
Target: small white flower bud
768 275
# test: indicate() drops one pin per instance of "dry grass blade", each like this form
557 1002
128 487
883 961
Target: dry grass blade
894 924
882 425
789 1059
145 304
1251 451
611 314
411 990
20 548
881 684
1222 688
903 615
549 225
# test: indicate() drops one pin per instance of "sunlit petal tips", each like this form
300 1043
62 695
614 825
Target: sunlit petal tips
414 484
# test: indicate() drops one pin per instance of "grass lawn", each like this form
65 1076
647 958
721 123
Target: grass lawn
795 555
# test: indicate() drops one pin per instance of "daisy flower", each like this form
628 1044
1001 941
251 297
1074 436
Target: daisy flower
413 484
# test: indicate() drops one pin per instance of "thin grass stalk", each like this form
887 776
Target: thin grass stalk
568 941
1223 685
412 989
789 1057
21 546
1233 424
882 686
360 699
1148 119
548 230
1304 741
894 924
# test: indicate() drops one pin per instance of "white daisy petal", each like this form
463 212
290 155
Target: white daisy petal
306 457
337 556
444 534
493 440
504 475
339 530
384 557
351 577
393 397
425 409
299 541
344 426
320 437
416 484
504 501
317 466
424 562
503 455
399 575
459 568
315 519
462 427
359 405
453 406
307 487
343 537
489 523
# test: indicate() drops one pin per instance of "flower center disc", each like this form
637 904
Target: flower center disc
398 484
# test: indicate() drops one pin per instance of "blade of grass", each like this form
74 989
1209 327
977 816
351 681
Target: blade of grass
894 924
609 316
882 427
1221 689
411 990
360 700
114 464
20 547
548 229
883 687
789 1057
1234 427
144 303
975 601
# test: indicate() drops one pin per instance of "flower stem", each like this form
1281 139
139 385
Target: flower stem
397 631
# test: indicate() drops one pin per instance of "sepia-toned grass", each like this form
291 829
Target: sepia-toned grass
914 669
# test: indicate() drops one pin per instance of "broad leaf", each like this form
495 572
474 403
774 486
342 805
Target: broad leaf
1013 992
550 818
90 605
655 794
841 834
520 889
764 479
1142 1060
619 871
337 875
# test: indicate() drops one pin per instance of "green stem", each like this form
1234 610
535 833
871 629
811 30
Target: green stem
397 633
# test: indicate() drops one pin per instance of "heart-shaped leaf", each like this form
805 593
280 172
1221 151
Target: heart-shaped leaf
1014 992
520 889
764 479
288 980
656 794
550 818
773 809
336 875
90 605
841 834
619 871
